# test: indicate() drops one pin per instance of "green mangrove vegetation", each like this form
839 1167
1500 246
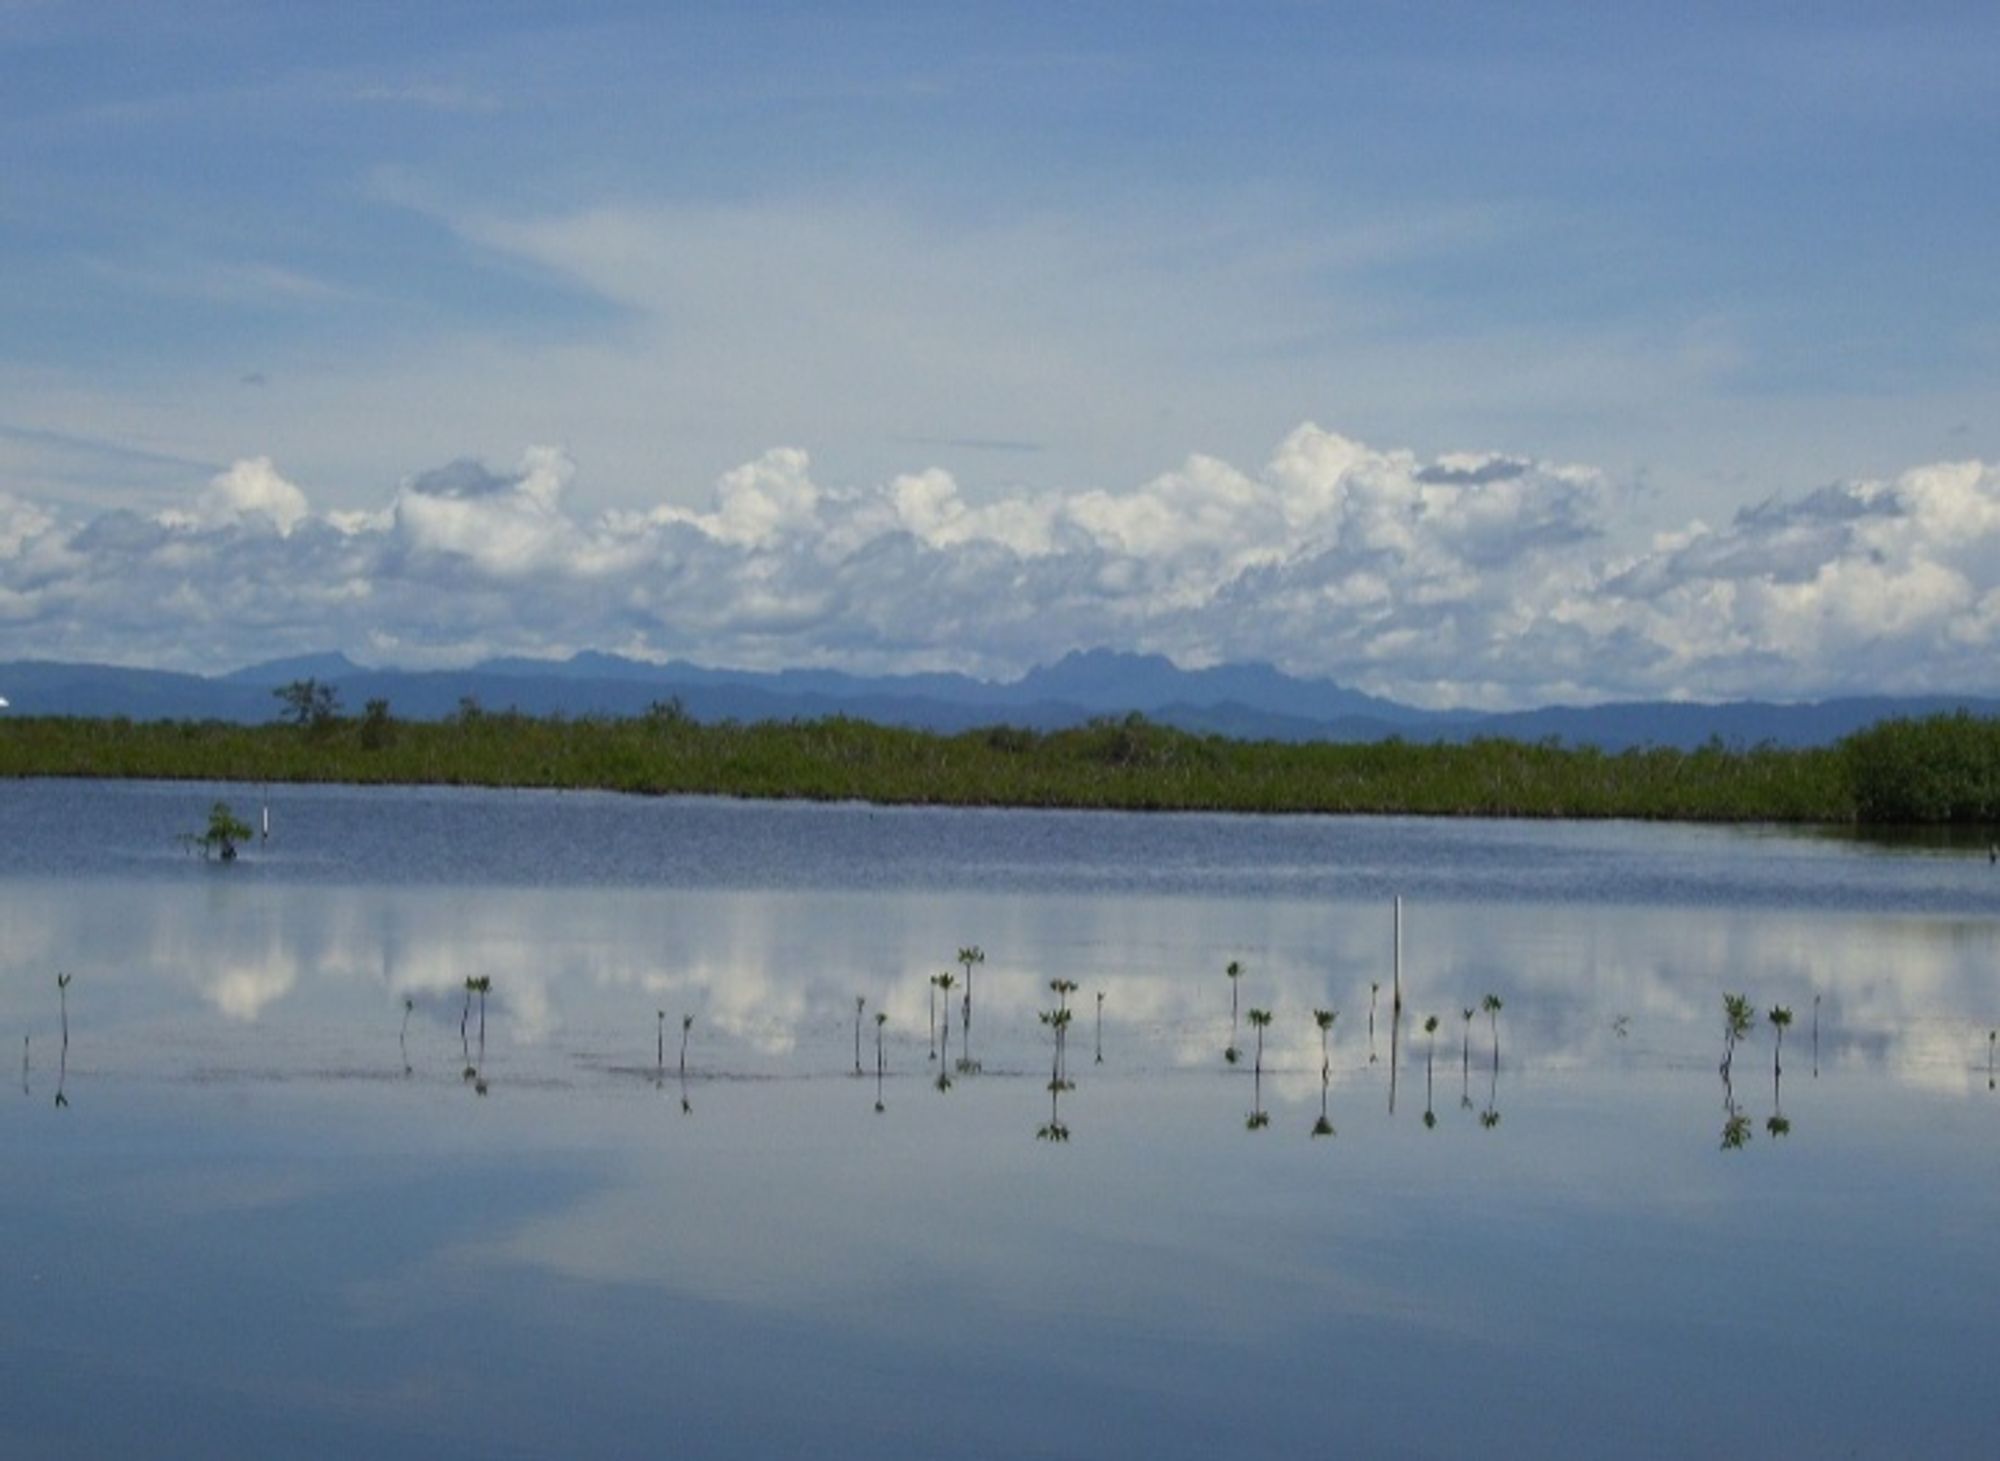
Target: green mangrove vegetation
1944 769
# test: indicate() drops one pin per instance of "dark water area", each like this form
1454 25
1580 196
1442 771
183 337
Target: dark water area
279 1195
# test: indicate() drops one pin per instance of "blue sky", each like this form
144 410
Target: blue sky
1717 255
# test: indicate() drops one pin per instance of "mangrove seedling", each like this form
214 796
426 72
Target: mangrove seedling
859 1002
482 986
1781 1019
970 955
1991 1036
881 1019
1259 1019
1058 1022
1491 1004
62 998
659 1043
687 1024
225 830
934 994
465 1012
403 1036
1100 1028
1430 1051
945 983
1234 971
1465 1049
1325 1019
1737 1015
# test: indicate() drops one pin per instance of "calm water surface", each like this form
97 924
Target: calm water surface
278 1198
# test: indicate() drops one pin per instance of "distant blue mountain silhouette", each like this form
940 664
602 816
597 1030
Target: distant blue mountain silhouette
1247 701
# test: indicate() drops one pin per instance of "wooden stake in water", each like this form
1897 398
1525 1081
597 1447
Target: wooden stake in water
1398 1002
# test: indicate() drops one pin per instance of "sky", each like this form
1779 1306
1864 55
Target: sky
1474 355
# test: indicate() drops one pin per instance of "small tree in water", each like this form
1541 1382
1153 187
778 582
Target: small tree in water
225 830
1737 1015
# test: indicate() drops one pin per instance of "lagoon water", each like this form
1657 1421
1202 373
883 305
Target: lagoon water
254 1209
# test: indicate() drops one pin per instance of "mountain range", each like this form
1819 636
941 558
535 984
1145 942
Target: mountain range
1247 701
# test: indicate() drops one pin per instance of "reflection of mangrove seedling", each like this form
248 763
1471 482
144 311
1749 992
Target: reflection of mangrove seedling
859 1002
1735 1125
1816 1041
1491 1004
225 830
403 1036
1621 1025
1737 1015
465 1012
1490 1117
969 956
1324 1125
1735 1133
1258 1118
1324 1019
1991 1036
943 1081
1778 1125
1781 1019
934 996
687 1024
1260 1020
659 1043
1100 1027
1055 1130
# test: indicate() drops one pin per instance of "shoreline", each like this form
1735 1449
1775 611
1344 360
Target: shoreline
1129 765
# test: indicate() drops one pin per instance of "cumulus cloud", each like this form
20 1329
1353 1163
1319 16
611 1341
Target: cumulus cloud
1470 578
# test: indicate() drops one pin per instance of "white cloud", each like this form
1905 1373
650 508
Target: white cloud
1464 579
